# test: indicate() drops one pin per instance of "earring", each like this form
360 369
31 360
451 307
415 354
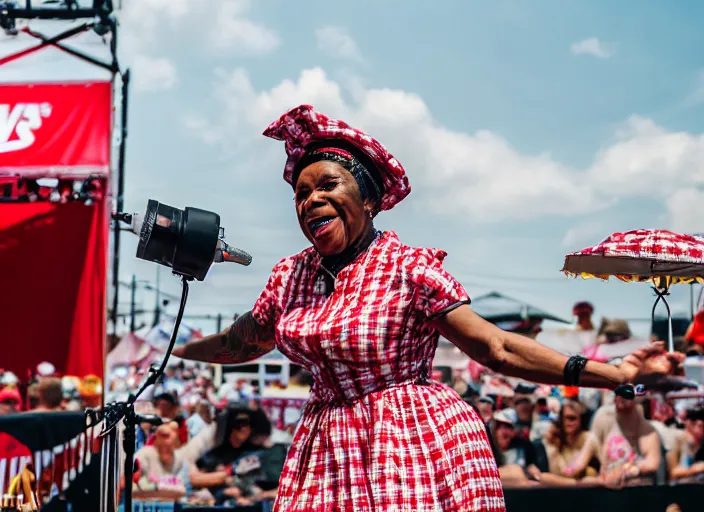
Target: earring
371 214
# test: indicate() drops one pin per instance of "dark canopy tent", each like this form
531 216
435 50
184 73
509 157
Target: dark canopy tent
498 308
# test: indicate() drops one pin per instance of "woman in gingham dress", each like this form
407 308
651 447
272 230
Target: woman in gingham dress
362 312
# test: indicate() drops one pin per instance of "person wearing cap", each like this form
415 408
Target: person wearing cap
10 401
46 369
583 312
486 407
363 312
90 389
166 405
613 331
511 448
627 445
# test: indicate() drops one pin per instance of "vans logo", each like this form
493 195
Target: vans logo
19 122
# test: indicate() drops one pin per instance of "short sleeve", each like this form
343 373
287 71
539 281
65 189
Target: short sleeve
438 292
268 307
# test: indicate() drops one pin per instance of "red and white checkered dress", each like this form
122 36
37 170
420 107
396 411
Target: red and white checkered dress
377 434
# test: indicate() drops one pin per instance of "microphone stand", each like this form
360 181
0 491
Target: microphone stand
124 411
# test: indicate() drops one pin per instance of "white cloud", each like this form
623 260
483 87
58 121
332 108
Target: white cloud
592 46
233 31
685 212
337 42
582 235
478 176
645 160
149 25
154 74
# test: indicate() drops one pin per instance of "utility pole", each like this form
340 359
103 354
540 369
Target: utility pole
157 303
133 297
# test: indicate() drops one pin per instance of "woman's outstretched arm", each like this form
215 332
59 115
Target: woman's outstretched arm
245 340
517 356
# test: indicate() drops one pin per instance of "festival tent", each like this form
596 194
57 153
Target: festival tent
144 346
498 308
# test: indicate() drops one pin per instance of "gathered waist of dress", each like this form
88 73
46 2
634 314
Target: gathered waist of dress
326 397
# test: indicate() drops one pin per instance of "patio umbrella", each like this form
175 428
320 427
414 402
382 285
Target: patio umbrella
656 256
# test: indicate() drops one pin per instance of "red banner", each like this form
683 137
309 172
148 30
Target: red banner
55 129
54 258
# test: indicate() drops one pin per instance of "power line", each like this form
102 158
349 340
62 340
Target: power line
506 277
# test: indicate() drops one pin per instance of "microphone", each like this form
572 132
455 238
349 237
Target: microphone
225 252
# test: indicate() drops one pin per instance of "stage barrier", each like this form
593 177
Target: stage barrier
54 455
689 498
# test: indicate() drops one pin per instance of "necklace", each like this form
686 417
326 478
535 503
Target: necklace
332 265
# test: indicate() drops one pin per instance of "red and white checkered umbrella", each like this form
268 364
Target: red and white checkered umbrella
643 255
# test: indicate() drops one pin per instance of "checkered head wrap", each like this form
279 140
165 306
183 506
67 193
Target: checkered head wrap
306 132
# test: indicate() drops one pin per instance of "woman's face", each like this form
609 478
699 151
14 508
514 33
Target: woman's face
329 206
504 435
570 420
239 436
485 411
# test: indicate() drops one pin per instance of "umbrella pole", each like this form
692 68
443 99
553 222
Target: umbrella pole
661 293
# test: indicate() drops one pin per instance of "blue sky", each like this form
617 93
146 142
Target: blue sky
528 129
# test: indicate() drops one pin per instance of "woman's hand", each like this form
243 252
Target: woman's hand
534 472
651 360
614 479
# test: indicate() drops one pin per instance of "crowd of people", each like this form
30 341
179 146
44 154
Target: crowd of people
221 445
219 451
46 391
208 446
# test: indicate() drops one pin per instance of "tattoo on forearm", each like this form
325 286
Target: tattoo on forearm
245 341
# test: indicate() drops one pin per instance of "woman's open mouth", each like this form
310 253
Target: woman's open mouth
320 225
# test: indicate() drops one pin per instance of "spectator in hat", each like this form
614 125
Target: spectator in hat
524 406
613 331
9 379
90 389
583 312
627 445
166 405
238 437
510 448
46 369
518 458
10 401
486 407
542 421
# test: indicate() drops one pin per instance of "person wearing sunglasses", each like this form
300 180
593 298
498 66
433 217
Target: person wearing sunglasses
627 445
569 438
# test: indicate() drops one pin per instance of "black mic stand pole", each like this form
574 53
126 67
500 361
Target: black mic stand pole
124 411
